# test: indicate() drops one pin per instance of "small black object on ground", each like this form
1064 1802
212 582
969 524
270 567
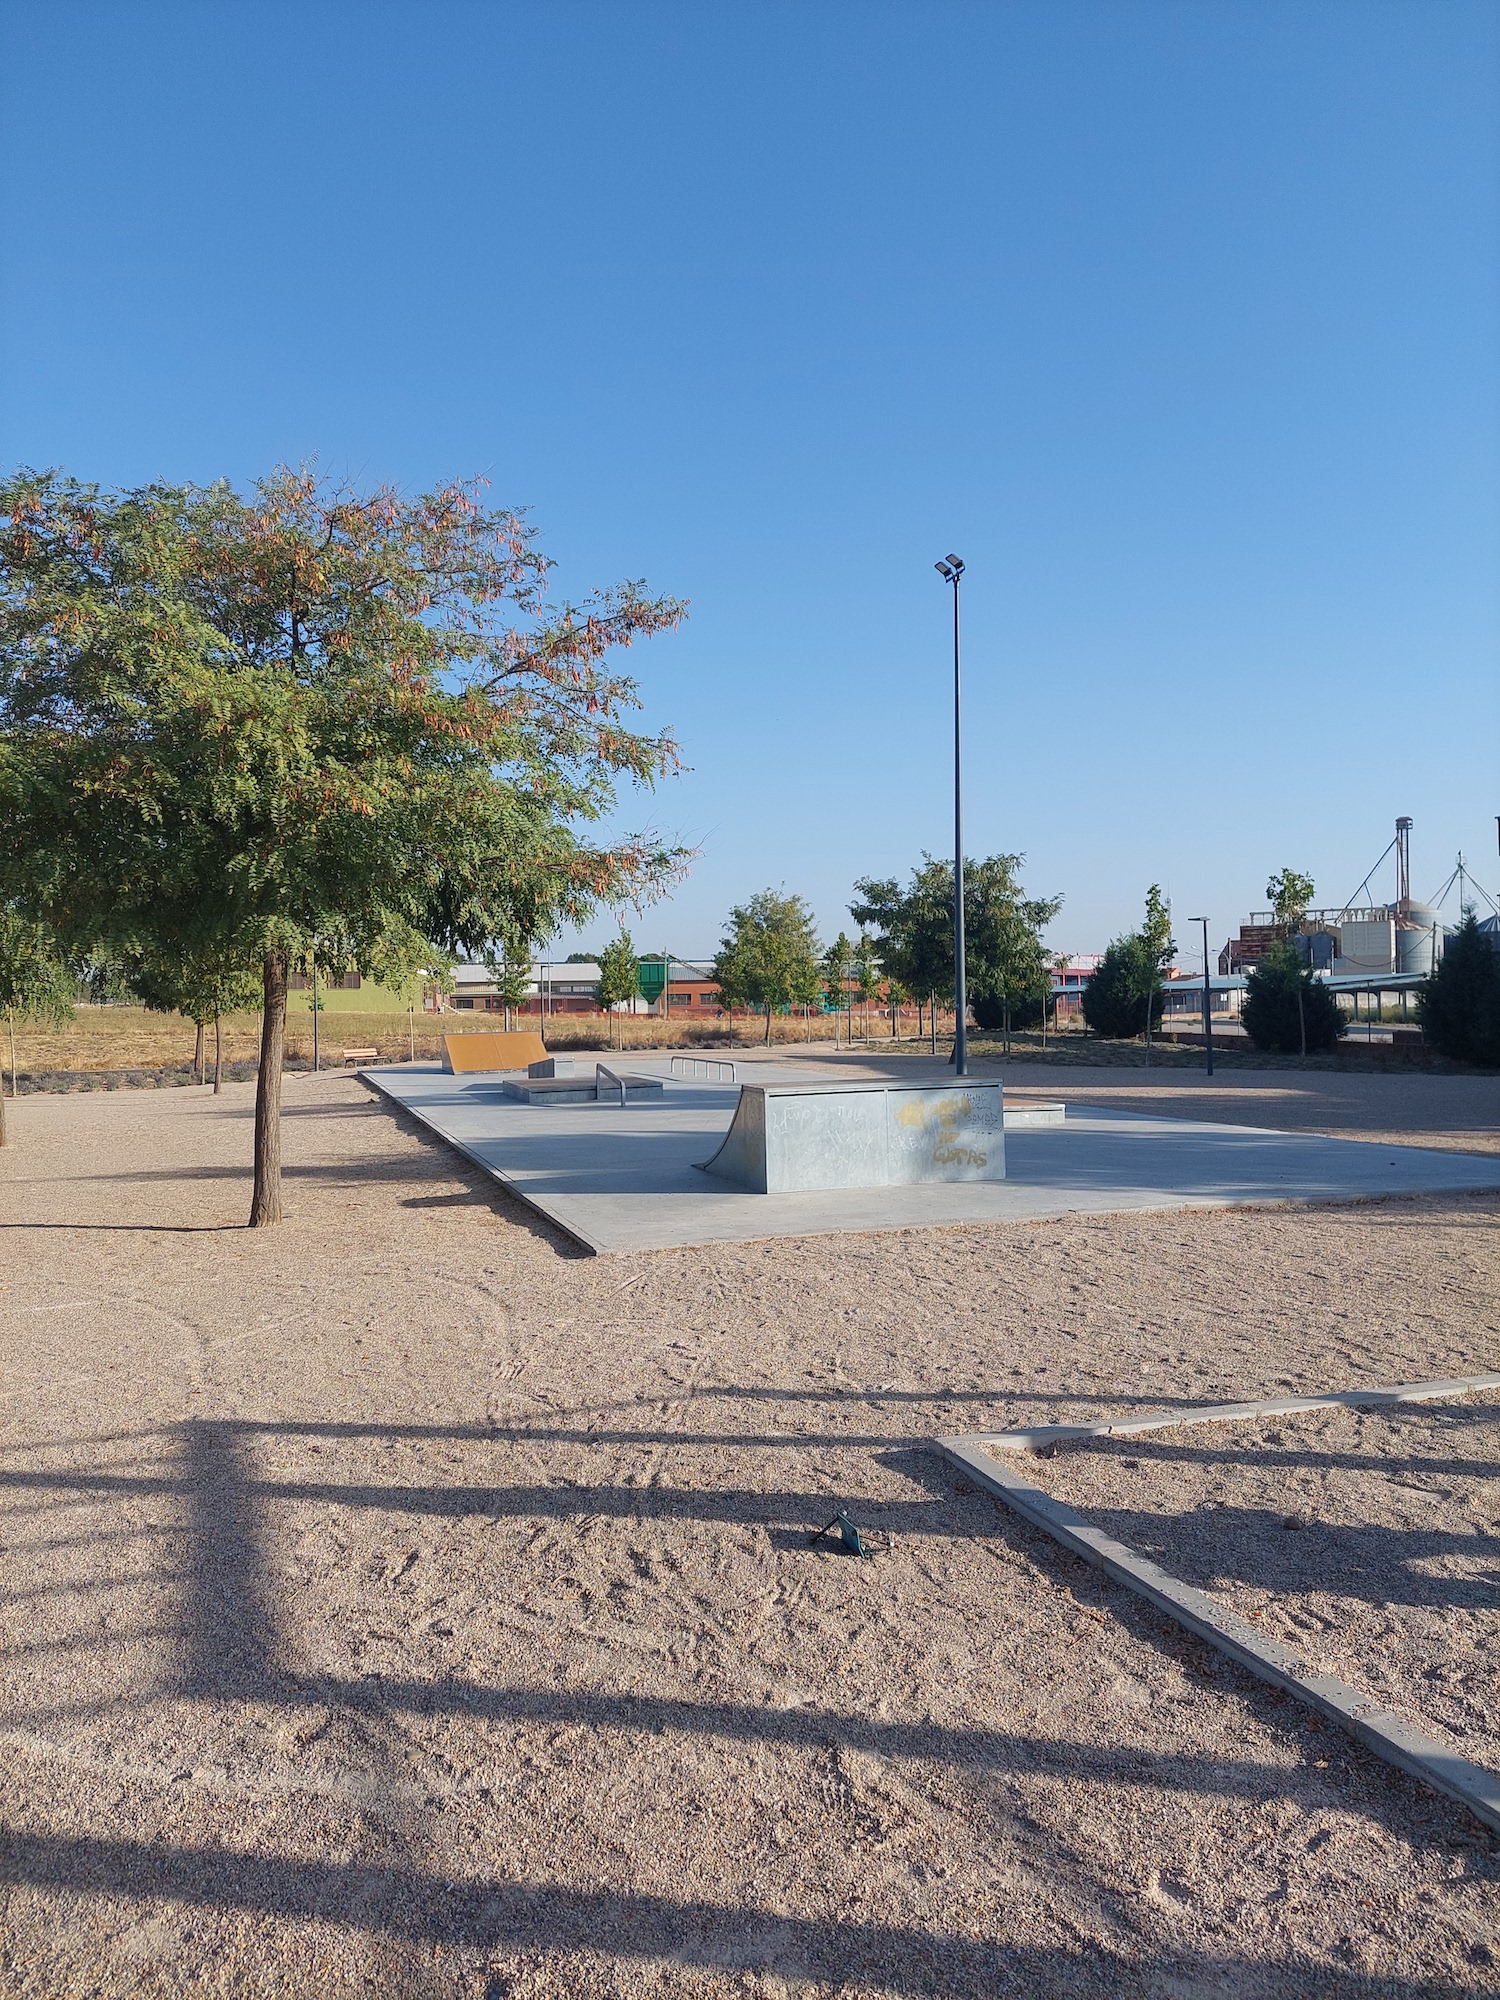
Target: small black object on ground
857 1541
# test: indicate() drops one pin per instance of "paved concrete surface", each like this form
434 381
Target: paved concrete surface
627 1178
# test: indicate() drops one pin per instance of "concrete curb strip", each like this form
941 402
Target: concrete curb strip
1390 1738
1234 1413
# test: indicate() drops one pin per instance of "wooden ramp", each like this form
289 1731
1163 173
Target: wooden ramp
485 1051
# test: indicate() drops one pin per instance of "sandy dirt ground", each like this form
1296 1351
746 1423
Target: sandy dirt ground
398 1602
1367 1539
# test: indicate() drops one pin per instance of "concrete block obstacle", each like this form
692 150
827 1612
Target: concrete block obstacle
553 1066
556 1083
801 1138
464 1055
1018 1116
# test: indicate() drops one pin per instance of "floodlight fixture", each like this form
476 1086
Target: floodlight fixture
957 562
943 571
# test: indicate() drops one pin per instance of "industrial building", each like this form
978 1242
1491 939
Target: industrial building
1361 941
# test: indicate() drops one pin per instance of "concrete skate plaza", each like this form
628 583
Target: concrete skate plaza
621 1179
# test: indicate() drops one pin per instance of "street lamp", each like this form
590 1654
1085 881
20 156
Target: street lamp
950 570
1208 998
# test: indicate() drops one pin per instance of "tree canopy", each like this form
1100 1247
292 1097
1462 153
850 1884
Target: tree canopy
231 725
619 975
1459 1005
768 958
1124 996
36 983
1286 1008
1006 962
1290 895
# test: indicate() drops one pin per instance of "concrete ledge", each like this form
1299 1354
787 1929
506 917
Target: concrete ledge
1386 1734
1041 1435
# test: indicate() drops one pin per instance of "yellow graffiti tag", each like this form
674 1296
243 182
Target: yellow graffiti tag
947 1151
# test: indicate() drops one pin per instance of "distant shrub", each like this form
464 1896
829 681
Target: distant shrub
989 1012
1271 1017
1459 1006
1114 1001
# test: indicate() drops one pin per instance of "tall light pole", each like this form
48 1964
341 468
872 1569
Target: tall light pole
1208 998
951 569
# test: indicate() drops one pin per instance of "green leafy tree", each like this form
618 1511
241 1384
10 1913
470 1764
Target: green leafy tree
1124 997
1459 1005
1291 895
896 997
509 968
1157 951
866 976
1004 956
1115 1000
838 974
35 985
913 926
1009 965
257 721
202 990
619 977
768 958
1286 1008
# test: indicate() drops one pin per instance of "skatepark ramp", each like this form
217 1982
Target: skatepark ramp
795 1138
480 1049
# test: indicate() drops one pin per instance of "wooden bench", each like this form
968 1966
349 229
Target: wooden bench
360 1056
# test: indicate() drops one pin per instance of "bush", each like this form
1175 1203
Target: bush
1459 1006
989 1012
1271 1018
1114 1001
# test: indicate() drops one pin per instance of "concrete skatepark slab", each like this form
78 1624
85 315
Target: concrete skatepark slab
627 1178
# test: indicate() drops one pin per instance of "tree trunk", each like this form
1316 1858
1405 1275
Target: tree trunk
198 1054
768 1024
265 1206
218 1055
15 1082
1301 1020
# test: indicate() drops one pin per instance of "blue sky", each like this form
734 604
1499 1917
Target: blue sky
1180 322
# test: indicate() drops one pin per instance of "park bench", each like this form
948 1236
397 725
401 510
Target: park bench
359 1056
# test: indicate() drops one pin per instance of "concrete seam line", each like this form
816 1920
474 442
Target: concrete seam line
1391 1739
499 1174
1233 1413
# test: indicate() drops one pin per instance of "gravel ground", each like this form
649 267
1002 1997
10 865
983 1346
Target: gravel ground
1365 1538
397 1602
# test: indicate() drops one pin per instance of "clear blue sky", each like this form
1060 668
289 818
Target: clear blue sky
1180 322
